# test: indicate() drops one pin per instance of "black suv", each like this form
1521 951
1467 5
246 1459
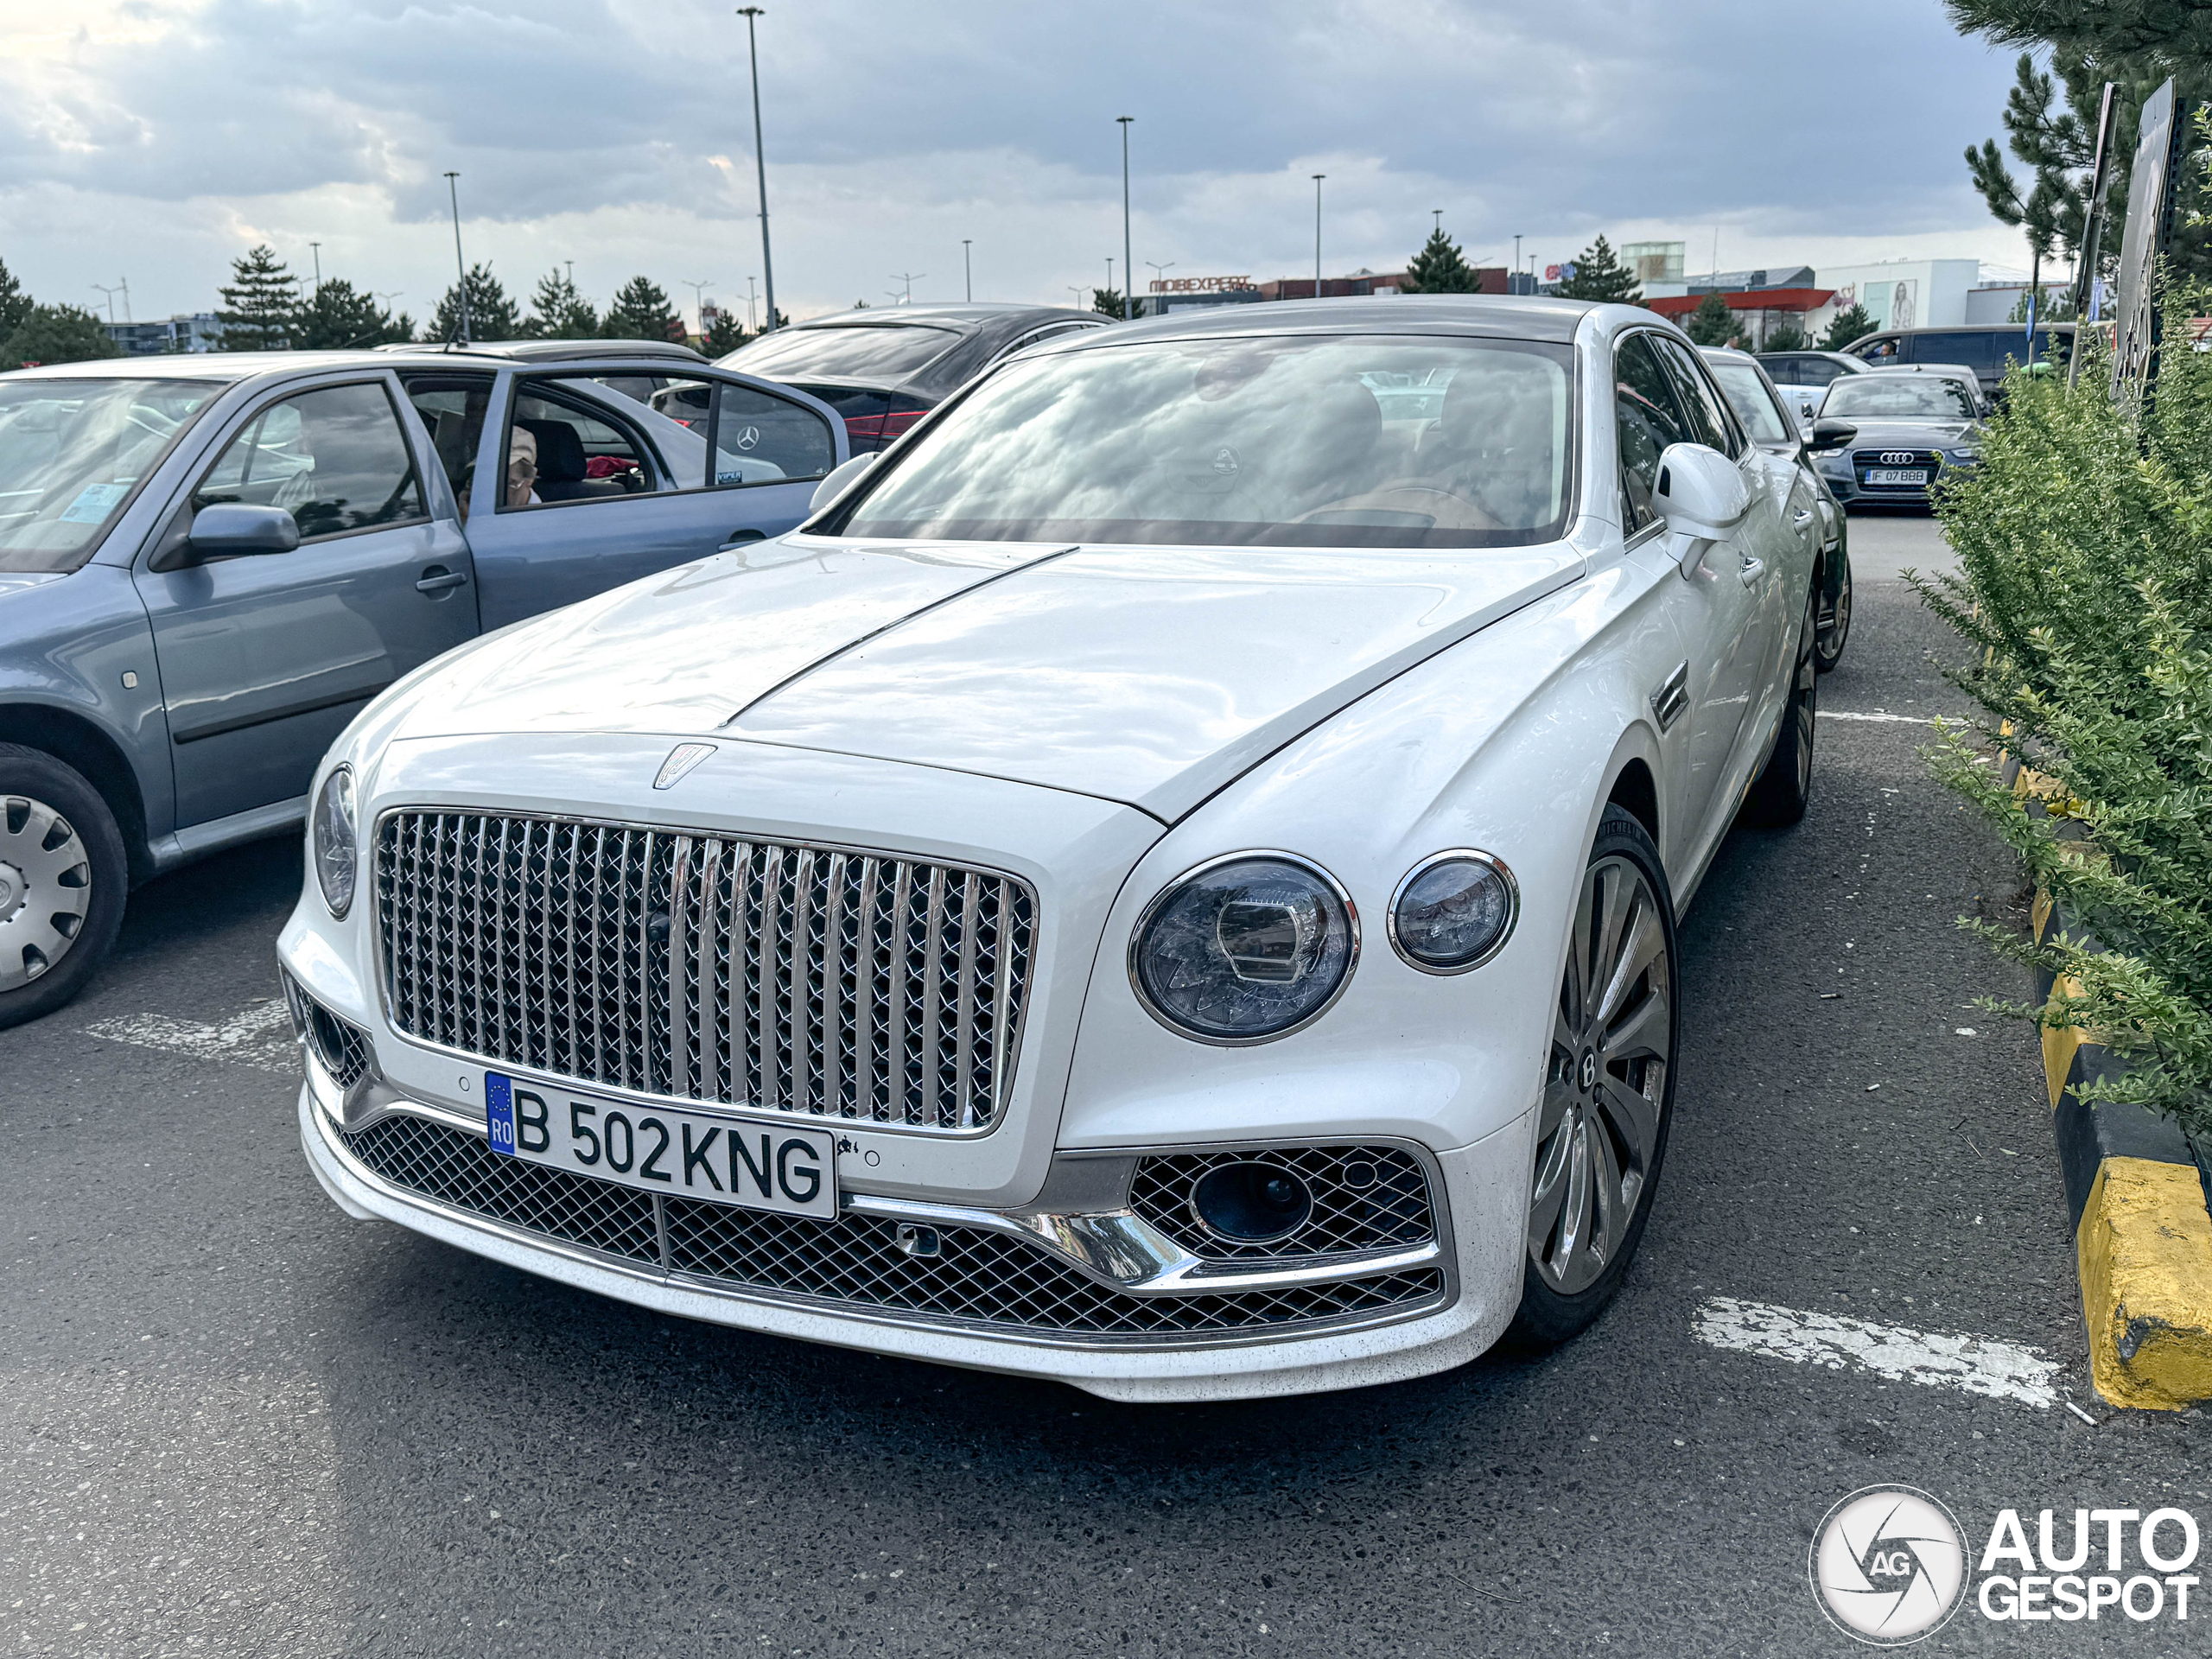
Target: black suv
1987 348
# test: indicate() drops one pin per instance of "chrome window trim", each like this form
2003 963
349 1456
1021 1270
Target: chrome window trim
1015 1042
1451 854
1170 888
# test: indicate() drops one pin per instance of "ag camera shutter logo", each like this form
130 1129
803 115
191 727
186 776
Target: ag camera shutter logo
1888 1565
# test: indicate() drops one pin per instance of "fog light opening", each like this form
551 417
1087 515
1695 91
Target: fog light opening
1251 1202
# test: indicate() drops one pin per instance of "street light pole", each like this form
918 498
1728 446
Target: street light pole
1109 283
699 287
968 267
1160 278
1317 177
460 264
760 164
1128 265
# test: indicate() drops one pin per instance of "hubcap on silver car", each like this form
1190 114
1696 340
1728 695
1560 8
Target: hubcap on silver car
1612 1041
45 885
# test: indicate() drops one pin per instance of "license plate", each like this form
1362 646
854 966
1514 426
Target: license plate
1896 475
690 1154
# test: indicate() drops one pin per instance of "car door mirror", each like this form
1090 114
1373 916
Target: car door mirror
839 480
231 529
1833 435
1701 491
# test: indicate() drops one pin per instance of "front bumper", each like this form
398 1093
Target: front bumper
1160 1330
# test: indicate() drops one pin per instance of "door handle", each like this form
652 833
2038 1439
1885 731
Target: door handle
1802 518
1752 569
437 579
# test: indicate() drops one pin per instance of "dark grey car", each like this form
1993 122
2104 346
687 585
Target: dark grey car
883 369
209 564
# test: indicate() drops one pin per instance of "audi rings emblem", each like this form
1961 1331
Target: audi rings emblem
1890 457
747 436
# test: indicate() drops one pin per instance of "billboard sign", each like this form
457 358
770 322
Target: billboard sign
2150 217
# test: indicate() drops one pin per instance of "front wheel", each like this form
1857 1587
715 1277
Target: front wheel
1835 620
63 880
1608 1090
1784 786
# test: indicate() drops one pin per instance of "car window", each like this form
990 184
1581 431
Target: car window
1753 403
335 458
1969 348
1052 333
1708 415
881 352
565 444
1898 396
1887 349
758 437
1648 414
1269 441
452 408
71 453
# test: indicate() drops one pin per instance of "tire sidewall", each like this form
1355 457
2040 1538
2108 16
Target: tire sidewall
25 771
1828 652
1547 1317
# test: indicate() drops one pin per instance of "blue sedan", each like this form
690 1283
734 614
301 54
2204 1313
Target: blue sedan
209 564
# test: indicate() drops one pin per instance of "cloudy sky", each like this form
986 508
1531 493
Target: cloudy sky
153 140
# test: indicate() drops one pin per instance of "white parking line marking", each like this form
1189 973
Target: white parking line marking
1900 719
260 1037
2000 1370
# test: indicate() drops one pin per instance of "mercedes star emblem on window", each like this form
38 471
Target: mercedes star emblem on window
747 436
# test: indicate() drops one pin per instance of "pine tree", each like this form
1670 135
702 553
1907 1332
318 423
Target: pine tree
2171 29
1786 337
641 311
1439 268
725 337
1713 323
338 316
14 304
2051 126
56 333
1846 326
261 303
1600 275
491 315
1108 300
557 311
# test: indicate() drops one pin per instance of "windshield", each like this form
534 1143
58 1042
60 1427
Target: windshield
1747 395
1361 440
1905 397
70 451
873 351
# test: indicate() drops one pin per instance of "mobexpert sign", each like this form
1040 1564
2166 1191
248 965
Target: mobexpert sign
1202 284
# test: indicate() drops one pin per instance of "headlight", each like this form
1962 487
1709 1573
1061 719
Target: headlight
1248 947
336 860
1965 457
1455 911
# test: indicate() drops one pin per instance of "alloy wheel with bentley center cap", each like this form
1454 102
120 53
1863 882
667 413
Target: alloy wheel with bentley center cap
46 888
1602 1128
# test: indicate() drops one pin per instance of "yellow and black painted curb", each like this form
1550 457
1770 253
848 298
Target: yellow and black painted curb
2142 1214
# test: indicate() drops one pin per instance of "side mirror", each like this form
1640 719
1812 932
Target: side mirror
839 480
230 529
1833 435
1701 492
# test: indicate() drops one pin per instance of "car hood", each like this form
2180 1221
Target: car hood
14 581
1148 675
1910 434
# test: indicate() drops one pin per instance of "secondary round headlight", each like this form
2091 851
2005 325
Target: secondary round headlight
336 860
1248 947
1455 911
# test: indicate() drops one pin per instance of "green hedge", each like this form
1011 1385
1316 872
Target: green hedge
2084 542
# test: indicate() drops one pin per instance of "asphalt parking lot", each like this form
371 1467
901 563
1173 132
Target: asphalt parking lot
237 1422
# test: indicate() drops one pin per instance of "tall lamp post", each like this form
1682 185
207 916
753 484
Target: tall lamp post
453 190
1160 276
760 164
1128 265
968 267
1317 177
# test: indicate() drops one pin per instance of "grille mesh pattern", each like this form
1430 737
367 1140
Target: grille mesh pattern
978 1277
341 1048
837 984
1364 1198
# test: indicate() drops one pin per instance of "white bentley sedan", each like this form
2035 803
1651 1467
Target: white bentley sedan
1167 881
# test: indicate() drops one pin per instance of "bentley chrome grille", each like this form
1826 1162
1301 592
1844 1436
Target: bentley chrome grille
845 985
